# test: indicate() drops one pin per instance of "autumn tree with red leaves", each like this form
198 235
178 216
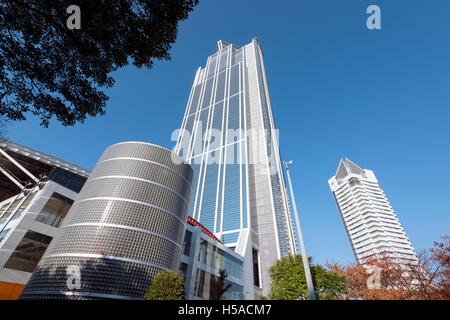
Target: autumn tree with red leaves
426 279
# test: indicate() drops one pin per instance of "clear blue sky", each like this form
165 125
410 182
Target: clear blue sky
381 98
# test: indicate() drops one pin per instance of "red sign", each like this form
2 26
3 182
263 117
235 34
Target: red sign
195 223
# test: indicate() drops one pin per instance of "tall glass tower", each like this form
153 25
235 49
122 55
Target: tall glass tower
228 136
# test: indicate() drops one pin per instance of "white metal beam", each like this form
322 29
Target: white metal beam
7 156
10 177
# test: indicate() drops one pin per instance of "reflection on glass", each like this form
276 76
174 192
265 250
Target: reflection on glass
55 210
28 252
187 243
24 205
203 284
10 210
215 257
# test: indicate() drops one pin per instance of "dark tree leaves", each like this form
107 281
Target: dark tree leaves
49 70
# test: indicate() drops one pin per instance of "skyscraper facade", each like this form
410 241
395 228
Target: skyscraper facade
228 136
369 220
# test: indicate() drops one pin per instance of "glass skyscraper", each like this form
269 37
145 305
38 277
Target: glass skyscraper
229 138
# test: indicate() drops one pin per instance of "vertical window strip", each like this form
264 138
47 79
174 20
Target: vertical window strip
219 201
241 182
205 144
223 166
183 124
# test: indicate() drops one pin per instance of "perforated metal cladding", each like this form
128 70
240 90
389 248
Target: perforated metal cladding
142 170
117 242
135 190
148 152
138 215
49 280
126 225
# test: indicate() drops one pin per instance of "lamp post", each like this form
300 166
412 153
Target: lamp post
309 283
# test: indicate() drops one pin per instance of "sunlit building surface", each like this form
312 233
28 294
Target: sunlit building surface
228 136
369 220
129 222
36 192
203 257
126 225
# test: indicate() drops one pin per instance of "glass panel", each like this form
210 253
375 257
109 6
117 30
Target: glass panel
231 237
255 267
195 98
200 290
196 169
244 192
187 243
183 270
232 204
209 197
28 252
223 60
3 234
11 209
24 205
55 210
217 258
3 208
208 93
218 116
234 80
238 56
67 179
212 65
186 137
233 134
198 140
220 87
204 282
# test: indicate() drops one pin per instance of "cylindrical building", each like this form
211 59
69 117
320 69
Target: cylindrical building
127 224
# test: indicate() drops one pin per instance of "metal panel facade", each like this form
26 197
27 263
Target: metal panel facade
126 225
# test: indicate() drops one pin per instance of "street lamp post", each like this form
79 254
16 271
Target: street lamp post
309 283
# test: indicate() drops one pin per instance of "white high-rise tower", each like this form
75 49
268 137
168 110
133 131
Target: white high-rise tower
369 220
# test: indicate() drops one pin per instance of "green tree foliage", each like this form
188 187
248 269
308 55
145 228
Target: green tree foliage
289 282
217 286
166 285
51 71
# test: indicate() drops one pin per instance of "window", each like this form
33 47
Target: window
55 210
3 234
204 284
10 210
255 268
67 179
183 270
28 252
24 205
3 208
219 259
187 243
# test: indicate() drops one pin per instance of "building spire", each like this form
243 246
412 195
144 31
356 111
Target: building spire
341 171
353 167
347 167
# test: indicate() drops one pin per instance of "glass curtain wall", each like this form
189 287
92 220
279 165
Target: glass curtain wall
213 142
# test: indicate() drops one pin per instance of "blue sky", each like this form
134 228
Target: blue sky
380 98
